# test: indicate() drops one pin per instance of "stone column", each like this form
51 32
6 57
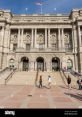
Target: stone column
80 50
79 35
19 38
45 38
32 40
59 39
49 43
6 39
22 30
2 38
63 44
35 38
1 46
74 37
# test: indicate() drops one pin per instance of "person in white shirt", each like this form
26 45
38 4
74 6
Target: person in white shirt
49 81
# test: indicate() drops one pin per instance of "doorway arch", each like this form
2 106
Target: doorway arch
25 63
40 63
55 64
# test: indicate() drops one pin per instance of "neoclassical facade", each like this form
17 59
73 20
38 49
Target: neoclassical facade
46 42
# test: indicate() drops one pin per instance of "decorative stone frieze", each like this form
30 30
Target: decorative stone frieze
14 38
27 38
40 38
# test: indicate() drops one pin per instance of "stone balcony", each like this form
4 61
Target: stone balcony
43 50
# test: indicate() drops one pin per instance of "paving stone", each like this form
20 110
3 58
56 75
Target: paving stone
56 97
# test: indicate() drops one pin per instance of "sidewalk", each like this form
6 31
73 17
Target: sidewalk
34 97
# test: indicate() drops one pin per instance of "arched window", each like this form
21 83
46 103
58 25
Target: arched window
25 65
11 63
69 64
40 63
55 63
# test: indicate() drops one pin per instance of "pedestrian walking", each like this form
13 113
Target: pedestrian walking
79 82
40 81
69 82
49 81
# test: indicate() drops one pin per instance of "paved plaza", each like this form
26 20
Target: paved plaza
13 96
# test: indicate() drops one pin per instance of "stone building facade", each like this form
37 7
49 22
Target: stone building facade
46 42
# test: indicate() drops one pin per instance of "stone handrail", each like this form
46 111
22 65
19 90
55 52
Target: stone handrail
36 77
74 73
64 78
3 70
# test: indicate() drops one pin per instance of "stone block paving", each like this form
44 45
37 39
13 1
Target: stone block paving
13 96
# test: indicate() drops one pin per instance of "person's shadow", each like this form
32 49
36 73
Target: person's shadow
77 96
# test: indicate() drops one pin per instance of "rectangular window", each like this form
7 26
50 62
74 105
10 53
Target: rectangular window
27 46
14 47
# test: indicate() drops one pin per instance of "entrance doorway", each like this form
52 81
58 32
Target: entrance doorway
25 64
40 63
55 64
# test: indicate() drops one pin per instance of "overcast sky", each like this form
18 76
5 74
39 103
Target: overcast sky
48 6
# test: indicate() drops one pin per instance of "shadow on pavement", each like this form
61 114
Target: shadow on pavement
77 96
43 87
63 87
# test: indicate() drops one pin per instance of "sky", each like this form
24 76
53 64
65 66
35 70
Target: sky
46 7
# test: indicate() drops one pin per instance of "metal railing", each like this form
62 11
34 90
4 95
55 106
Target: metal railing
10 76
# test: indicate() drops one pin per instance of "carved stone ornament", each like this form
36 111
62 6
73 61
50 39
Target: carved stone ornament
53 38
14 38
40 39
27 38
66 39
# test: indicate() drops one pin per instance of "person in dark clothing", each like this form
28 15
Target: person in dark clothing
69 82
79 82
40 81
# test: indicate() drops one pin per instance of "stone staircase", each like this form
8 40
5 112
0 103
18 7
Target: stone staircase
23 78
73 79
56 78
4 75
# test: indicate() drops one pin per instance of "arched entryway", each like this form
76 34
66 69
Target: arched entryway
25 63
55 64
40 63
